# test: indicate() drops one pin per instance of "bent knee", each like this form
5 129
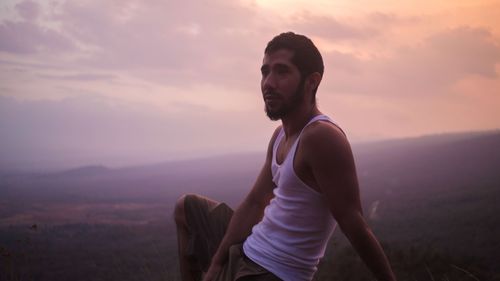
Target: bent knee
179 210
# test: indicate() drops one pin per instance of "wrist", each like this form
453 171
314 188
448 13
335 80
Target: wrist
217 259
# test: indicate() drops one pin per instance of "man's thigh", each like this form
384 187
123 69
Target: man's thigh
240 268
256 272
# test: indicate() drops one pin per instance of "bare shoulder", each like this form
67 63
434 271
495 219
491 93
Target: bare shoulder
324 133
325 141
328 155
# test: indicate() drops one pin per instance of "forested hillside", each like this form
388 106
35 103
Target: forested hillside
432 201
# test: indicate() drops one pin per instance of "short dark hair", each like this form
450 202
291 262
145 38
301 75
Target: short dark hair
306 56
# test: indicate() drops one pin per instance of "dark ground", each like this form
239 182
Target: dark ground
432 202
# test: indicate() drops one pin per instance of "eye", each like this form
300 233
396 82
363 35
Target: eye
264 71
282 69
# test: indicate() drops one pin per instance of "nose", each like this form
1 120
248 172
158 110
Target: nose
268 82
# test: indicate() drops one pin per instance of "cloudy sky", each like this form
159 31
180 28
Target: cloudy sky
120 82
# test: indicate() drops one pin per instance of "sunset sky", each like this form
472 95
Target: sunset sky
123 82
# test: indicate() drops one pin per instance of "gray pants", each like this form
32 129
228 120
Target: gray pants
207 223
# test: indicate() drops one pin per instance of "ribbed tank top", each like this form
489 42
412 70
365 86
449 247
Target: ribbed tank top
297 224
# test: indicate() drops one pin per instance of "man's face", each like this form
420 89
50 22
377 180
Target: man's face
281 84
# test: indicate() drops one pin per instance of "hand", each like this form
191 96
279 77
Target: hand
212 272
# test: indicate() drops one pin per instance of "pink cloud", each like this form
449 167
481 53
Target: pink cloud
166 42
80 77
429 68
329 28
221 44
27 37
28 10
467 50
391 19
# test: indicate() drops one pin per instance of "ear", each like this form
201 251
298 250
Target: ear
313 81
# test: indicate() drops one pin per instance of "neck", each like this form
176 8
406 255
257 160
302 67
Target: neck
296 120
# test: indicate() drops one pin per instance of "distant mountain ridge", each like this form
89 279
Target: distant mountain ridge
359 148
84 171
383 166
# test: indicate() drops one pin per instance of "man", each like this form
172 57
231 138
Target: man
307 186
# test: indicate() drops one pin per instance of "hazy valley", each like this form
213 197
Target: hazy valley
432 201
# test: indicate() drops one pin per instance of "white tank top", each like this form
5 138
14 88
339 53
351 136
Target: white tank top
297 223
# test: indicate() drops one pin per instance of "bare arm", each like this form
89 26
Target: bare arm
329 156
248 214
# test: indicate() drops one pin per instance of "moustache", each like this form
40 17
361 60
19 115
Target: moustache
271 95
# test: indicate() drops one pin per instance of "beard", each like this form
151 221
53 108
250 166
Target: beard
287 106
